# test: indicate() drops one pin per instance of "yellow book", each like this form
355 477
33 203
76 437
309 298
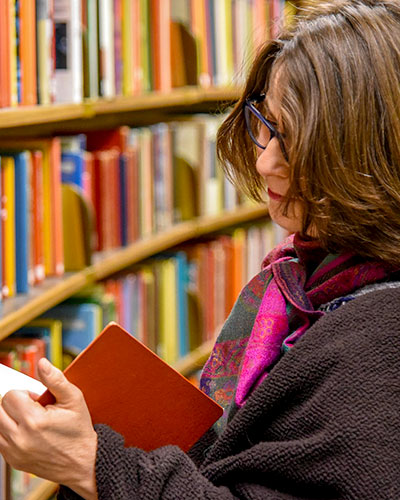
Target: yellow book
13 58
168 324
8 220
52 335
77 229
145 56
128 32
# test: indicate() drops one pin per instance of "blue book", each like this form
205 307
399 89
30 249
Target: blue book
81 324
22 245
72 168
182 280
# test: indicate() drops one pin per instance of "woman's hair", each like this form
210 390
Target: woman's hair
337 79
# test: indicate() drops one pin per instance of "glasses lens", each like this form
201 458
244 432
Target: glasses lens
258 131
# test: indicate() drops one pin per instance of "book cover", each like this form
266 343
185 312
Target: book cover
93 49
137 79
128 35
145 46
68 44
27 46
118 55
14 57
22 243
37 215
133 391
100 140
8 225
77 229
106 48
72 168
45 59
5 55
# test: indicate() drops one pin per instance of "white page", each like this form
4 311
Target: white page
11 379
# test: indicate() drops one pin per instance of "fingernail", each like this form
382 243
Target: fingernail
45 365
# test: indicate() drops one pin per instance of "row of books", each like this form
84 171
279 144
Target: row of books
228 34
179 300
67 50
64 197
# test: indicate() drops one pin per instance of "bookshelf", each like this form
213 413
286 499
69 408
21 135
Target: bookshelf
16 312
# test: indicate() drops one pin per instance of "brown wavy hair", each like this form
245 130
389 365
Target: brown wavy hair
338 75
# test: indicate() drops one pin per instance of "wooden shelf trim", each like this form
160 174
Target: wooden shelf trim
59 113
16 312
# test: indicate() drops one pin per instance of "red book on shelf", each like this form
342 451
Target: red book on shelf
129 388
100 140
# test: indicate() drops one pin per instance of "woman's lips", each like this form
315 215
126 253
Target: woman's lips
274 196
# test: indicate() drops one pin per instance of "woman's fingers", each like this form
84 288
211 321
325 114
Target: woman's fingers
20 407
56 382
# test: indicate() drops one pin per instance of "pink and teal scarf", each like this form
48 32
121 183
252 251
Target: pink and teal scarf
297 278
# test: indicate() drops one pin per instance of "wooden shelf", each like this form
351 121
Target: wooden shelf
42 492
102 113
16 312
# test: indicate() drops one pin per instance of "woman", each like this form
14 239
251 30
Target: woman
306 365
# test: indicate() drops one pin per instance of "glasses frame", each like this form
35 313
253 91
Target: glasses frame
248 106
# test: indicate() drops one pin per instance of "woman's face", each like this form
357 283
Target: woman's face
274 169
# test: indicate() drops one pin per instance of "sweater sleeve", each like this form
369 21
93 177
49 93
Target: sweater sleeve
165 473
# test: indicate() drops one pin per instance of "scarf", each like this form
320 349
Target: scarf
297 278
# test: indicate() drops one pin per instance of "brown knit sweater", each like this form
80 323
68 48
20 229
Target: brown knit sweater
325 424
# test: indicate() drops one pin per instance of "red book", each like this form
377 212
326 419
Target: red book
100 140
129 388
37 216
132 194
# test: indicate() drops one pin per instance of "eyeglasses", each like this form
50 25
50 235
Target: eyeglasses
254 119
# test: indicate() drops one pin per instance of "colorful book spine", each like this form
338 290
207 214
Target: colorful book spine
22 242
8 226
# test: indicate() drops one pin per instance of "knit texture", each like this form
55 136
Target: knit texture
323 425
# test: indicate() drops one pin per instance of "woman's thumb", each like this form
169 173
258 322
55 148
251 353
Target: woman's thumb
55 381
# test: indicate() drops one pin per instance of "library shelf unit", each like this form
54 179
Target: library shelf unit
141 110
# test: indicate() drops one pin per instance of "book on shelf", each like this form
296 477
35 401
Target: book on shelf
68 49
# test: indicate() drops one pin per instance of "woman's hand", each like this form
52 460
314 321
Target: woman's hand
56 442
